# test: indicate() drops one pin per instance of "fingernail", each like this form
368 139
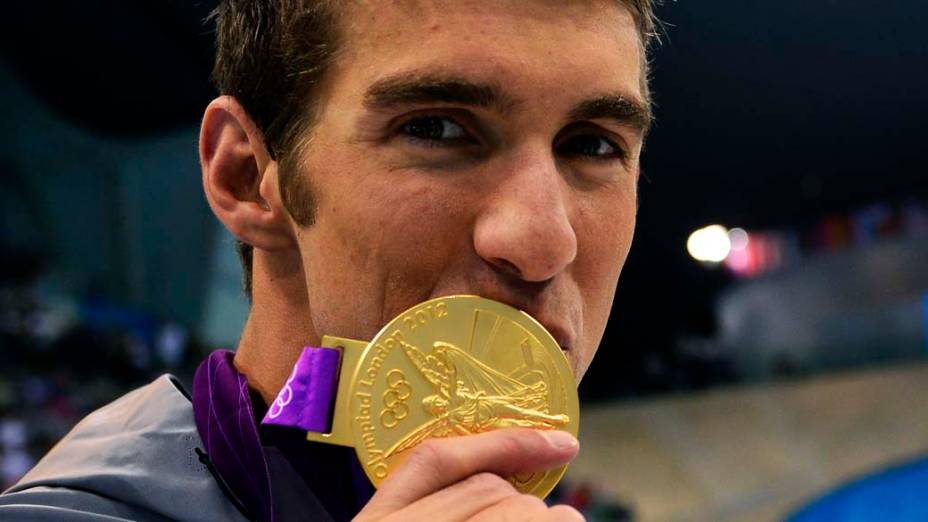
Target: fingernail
560 439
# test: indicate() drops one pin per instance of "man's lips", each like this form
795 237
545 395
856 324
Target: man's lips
555 325
551 321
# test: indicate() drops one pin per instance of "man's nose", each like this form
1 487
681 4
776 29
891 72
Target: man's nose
525 229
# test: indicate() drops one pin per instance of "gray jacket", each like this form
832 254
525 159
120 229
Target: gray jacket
134 459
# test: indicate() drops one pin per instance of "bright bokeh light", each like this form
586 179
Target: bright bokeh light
710 244
739 239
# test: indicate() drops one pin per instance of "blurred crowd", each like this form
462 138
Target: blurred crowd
65 355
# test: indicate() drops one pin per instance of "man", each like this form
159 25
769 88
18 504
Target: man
370 155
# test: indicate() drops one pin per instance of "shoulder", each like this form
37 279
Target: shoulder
136 458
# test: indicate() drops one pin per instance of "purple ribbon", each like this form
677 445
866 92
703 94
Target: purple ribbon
225 421
307 398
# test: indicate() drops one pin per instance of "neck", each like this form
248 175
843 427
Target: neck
279 324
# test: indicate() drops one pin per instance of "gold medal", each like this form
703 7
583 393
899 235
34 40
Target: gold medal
450 366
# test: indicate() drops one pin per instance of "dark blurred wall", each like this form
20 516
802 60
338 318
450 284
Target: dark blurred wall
121 219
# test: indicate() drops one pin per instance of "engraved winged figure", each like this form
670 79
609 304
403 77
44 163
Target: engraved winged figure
470 397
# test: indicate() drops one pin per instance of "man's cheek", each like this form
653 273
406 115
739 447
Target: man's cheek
601 254
419 217
420 240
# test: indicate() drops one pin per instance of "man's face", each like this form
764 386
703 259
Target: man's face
467 147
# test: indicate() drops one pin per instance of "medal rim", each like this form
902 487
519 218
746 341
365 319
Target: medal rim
534 327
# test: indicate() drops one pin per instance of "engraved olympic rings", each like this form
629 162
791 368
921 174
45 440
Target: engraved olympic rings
394 399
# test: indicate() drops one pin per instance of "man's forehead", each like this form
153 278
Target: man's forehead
429 8
483 41
468 17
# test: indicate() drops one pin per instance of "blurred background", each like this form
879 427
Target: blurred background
767 356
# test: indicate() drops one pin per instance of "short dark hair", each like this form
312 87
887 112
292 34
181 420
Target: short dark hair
271 55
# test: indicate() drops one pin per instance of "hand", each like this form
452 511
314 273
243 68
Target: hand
459 478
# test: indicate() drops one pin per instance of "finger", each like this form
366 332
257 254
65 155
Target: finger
460 501
524 508
562 513
519 508
438 463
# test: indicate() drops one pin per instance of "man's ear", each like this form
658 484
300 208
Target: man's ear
240 177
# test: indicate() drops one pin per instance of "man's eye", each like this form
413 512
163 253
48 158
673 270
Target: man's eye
590 146
434 129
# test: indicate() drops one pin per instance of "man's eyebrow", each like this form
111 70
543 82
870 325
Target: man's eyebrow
622 109
412 89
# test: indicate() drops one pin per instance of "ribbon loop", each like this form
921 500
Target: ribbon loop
306 400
